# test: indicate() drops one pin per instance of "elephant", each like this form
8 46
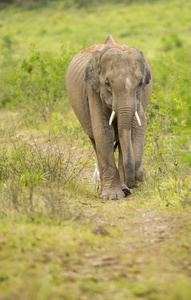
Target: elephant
109 86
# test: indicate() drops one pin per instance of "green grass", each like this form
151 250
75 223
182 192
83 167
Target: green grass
106 250
58 240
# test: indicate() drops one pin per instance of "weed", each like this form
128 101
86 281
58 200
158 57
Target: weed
38 84
34 163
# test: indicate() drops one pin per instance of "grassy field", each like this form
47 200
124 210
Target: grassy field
58 240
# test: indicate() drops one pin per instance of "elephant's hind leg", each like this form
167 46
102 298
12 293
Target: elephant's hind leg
99 165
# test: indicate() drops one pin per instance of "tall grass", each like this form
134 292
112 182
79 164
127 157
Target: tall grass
32 4
33 168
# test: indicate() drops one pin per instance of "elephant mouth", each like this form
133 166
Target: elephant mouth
113 115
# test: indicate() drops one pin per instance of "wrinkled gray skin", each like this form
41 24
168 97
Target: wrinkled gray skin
110 77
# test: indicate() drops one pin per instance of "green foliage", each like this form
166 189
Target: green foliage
37 83
56 237
29 4
32 4
29 165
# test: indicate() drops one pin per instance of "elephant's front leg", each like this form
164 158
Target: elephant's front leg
103 139
138 141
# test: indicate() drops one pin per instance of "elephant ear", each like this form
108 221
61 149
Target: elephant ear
93 69
147 73
147 78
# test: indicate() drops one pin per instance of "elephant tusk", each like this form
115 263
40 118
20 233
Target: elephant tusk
138 119
112 117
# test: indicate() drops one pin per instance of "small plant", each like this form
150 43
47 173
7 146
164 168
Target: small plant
36 83
29 165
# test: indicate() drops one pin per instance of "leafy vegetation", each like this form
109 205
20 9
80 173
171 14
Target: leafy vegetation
58 240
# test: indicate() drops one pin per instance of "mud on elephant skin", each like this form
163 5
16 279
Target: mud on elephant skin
109 87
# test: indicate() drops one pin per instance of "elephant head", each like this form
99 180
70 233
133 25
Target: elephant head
119 74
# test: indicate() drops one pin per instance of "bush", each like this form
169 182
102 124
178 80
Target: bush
35 165
36 83
31 4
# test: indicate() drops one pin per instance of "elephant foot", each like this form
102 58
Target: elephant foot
126 190
112 194
130 183
140 174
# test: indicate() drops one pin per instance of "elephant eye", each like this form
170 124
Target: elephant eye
107 83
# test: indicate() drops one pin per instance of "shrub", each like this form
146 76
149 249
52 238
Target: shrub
27 166
36 83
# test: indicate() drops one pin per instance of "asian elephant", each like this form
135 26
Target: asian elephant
109 87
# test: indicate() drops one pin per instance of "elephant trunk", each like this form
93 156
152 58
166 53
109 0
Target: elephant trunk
125 115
